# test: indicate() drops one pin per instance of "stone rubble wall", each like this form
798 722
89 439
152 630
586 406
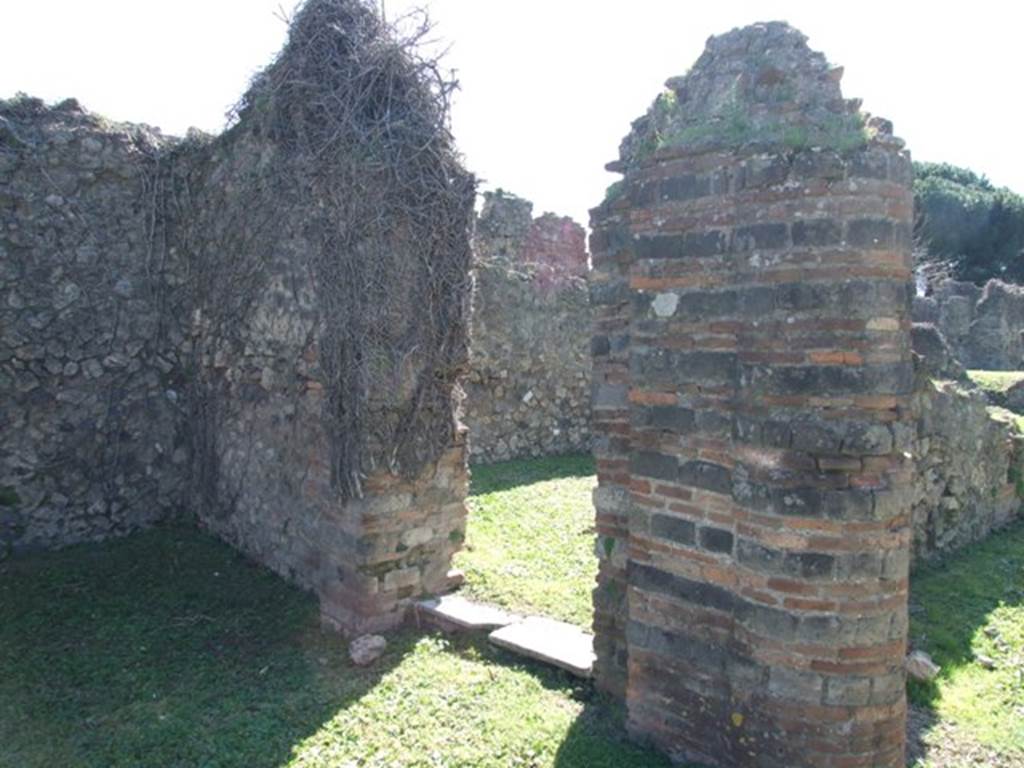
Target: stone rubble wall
968 456
273 495
91 316
984 326
528 391
121 406
164 328
753 418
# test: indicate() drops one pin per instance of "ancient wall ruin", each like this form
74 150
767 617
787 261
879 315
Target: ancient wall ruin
91 316
219 327
984 326
753 415
528 390
968 455
264 328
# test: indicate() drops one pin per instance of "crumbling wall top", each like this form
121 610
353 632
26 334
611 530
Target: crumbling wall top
761 84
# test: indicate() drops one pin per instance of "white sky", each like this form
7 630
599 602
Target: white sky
549 87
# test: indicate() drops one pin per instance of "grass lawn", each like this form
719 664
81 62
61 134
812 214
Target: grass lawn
530 540
968 613
168 649
996 381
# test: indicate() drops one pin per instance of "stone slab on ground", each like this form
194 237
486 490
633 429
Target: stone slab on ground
456 613
564 645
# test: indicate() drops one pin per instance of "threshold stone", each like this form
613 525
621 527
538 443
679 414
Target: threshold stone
565 646
456 613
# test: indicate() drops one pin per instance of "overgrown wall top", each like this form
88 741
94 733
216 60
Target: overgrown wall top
266 327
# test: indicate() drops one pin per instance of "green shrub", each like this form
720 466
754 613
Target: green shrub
963 218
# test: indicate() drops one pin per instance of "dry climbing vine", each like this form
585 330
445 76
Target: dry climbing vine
360 168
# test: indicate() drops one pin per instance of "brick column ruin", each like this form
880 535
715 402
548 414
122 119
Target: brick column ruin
752 379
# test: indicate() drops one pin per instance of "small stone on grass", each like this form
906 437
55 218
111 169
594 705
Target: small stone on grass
921 667
366 649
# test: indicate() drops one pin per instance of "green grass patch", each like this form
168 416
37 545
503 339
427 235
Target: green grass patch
996 381
530 537
1007 416
170 650
968 613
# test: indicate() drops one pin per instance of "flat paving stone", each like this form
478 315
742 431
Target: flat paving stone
564 645
453 612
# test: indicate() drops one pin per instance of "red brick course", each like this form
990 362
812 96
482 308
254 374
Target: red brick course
751 399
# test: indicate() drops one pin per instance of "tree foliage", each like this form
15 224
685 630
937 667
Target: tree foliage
963 218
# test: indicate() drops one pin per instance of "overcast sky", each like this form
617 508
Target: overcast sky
549 87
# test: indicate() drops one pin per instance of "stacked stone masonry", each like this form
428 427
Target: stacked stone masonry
90 332
753 424
968 456
164 326
528 390
274 495
768 457
984 326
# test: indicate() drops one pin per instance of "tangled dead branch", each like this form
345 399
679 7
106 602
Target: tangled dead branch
360 167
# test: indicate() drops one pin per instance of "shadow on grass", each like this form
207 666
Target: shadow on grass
491 478
165 649
952 606
597 736
168 649
602 723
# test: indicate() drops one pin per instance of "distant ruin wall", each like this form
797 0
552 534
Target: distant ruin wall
91 331
528 391
219 325
968 456
984 326
753 416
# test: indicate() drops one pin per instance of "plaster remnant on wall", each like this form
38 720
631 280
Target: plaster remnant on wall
664 304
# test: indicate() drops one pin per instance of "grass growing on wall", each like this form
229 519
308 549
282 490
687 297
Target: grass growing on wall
530 540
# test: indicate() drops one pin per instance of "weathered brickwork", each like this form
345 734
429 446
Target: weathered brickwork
528 390
984 326
753 421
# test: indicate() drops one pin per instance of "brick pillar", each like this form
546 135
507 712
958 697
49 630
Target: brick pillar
609 298
769 376
400 540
